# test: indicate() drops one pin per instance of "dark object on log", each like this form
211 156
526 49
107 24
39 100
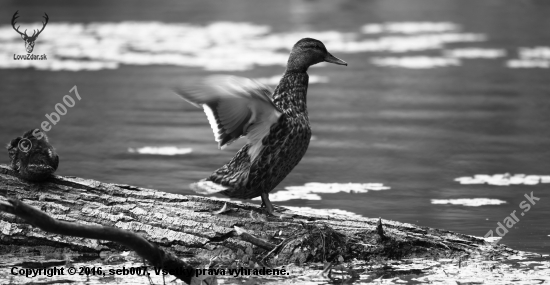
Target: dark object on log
32 157
380 230
186 227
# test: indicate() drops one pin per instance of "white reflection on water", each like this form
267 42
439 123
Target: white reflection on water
220 46
163 150
528 63
536 57
416 62
504 179
536 52
304 210
475 53
310 190
232 46
405 43
410 27
323 212
474 202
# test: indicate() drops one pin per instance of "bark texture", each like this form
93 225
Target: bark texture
194 229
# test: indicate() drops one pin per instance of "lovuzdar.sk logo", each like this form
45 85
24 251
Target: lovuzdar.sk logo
29 40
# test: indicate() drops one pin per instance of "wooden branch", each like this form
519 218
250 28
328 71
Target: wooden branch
253 240
158 257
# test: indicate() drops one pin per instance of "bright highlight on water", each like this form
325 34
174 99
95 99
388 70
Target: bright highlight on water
233 46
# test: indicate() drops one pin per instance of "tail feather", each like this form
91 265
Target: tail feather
207 187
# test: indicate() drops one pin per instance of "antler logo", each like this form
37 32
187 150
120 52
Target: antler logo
29 41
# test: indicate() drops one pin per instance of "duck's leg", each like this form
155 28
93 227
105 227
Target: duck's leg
268 206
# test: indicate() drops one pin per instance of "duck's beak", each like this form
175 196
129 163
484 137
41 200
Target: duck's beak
332 59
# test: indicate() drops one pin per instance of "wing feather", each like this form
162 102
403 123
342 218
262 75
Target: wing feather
231 114
235 107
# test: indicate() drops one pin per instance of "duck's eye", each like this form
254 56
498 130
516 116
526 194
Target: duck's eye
24 145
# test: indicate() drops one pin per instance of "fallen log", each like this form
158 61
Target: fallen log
208 233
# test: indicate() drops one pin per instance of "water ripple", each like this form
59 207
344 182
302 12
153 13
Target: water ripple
410 27
473 202
504 179
416 62
219 46
323 212
310 191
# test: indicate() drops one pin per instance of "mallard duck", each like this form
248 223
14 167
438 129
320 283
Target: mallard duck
32 156
275 123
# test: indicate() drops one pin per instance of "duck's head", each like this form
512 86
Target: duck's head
307 52
32 156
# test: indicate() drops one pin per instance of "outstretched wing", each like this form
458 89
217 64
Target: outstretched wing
235 107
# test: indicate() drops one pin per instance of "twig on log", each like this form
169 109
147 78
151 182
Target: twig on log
245 236
142 247
380 229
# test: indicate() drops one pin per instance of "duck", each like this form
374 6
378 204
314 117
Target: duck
32 157
275 123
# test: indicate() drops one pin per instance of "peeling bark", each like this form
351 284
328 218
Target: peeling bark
189 227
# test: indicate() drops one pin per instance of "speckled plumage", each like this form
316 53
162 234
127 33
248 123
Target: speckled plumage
283 147
276 126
